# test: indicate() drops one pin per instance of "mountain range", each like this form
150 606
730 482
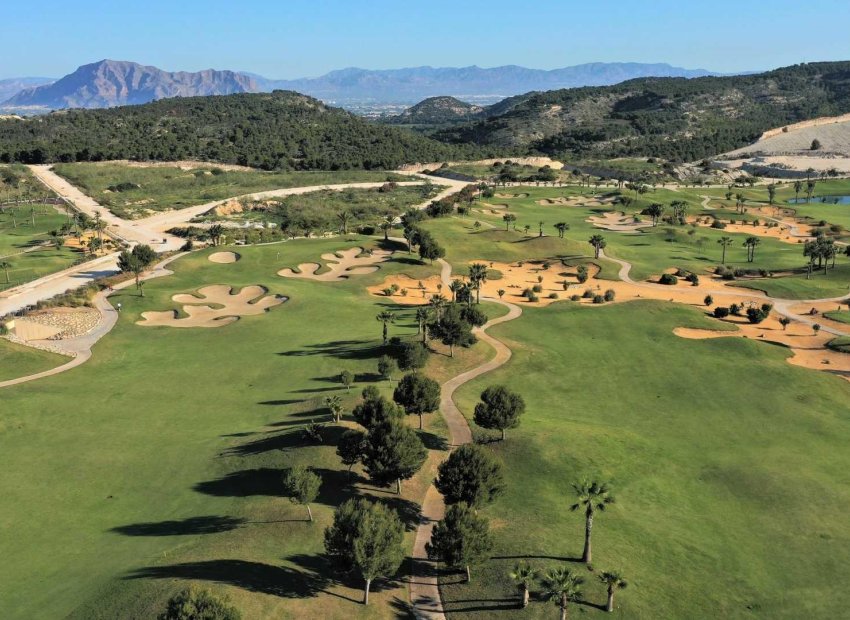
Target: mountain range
110 83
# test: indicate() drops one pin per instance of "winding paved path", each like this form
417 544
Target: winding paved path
424 580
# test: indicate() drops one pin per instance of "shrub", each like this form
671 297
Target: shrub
575 297
720 312
537 288
598 299
668 279
553 295
735 309
718 224
693 279
193 604
610 294
412 355
756 315
533 297
708 300
766 308
588 294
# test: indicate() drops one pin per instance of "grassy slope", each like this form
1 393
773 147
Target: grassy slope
166 426
731 493
18 361
167 187
17 233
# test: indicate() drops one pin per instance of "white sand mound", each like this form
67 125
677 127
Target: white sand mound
341 265
228 306
224 257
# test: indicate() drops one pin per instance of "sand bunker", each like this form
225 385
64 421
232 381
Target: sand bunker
229 307
341 265
618 221
786 231
574 201
809 349
410 291
224 257
520 195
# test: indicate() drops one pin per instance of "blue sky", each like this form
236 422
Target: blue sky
299 38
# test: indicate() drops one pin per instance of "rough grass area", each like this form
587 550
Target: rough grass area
134 191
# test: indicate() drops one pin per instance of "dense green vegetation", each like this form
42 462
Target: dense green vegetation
280 130
134 190
674 118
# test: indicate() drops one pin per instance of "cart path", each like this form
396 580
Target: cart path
424 581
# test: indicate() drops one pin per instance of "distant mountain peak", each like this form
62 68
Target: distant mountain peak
109 83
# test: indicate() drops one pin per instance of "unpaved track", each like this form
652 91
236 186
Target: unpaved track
424 579
79 348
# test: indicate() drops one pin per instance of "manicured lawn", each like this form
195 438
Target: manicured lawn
727 464
159 460
19 361
843 316
835 283
166 187
18 233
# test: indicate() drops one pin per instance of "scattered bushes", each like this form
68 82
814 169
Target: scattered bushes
720 312
668 279
610 294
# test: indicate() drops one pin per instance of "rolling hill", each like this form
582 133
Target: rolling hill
674 118
280 130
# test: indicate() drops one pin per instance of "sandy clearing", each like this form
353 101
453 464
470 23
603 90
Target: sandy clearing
786 232
808 348
228 306
418 291
224 258
519 195
341 265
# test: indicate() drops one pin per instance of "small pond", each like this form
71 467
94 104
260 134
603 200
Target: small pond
829 200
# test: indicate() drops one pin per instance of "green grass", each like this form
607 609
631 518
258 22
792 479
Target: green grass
842 316
726 462
19 361
835 283
168 187
17 234
163 426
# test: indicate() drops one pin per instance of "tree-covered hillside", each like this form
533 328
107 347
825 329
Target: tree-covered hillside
271 131
673 118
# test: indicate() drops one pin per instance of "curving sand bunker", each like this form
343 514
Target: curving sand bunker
340 265
618 221
227 307
573 201
808 348
224 258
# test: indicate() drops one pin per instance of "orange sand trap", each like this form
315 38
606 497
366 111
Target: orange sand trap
341 265
410 292
820 307
618 221
224 257
520 195
573 201
809 348
781 232
229 307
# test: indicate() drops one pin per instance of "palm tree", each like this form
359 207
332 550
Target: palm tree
598 242
592 496
334 405
216 231
437 303
562 588
540 229
562 227
523 575
6 266
798 185
344 217
785 322
750 243
725 242
422 314
613 581
386 317
508 218
477 277
455 286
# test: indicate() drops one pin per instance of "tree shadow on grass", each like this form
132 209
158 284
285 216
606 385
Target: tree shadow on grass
402 609
245 483
288 439
432 441
481 604
291 401
340 349
186 527
537 557
252 576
